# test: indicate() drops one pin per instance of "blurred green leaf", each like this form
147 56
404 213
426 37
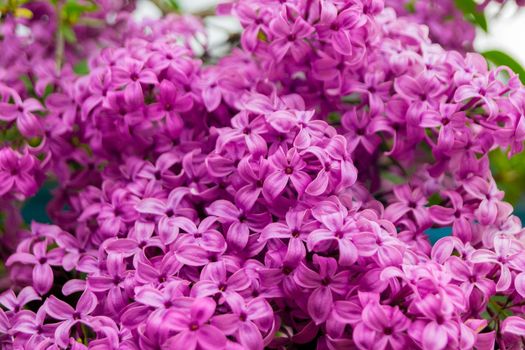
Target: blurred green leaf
334 118
72 10
410 6
81 68
509 174
500 58
471 12
174 5
69 34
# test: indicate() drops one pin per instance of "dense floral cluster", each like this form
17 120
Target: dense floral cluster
448 25
277 197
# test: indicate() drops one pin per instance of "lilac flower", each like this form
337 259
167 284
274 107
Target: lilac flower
507 255
162 170
42 260
287 167
488 193
114 282
214 280
239 223
382 327
17 171
457 216
68 316
34 325
170 103
15 303
289 37
246 130
167 211
324 283
246 321
408 201
253 174
164 270
296 229
203 235
192 329
353 238
22 112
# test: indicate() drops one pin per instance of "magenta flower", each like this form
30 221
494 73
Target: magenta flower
246 130
114 282
253 174
290 37
42 260
408 200
354 238
514 325
214 280
22 112
163 170
287 167
480 88
271 192
17 172
336 26
34 325
296 230
239 223
382 327
132 72
507 255
458 216
68 316
170 103
167 211
489 195
324 283
204 235
472 275
192 329
15 303
160 272
246 322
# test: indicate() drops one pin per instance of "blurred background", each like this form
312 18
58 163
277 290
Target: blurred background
507 25
507 32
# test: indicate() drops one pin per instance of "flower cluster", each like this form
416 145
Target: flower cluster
448 25
278 197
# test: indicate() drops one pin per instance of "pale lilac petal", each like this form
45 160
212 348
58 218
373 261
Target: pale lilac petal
320 304
250 337
184 340
42 278
434 337
210 338
58 309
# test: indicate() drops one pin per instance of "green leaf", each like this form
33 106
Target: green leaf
500 58
174 5
69 34
334 118
81 68
261 35
395 179
509 174
435 199
410 6
471 12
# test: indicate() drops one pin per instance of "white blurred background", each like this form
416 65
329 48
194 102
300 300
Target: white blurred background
506 32
506 27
